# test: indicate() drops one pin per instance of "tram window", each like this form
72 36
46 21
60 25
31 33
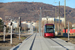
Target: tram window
50 30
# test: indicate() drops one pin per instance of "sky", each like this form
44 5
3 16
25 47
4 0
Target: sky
69 3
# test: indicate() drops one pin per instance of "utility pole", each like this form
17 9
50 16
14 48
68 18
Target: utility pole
59 16
11 32
65 15
40 22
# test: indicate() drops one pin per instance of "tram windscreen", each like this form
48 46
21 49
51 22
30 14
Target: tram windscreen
49 28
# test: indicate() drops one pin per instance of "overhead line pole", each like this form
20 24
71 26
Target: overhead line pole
59 16
55 19
40 22
65 15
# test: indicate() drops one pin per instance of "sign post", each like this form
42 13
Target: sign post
19 26
11 32
4 31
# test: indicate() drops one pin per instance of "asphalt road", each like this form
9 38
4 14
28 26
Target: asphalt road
37 42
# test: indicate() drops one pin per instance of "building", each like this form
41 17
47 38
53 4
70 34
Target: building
52 19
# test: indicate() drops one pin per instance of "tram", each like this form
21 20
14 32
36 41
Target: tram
49 30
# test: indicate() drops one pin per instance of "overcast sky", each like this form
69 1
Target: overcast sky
70 3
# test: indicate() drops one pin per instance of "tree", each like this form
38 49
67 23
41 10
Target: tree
1 25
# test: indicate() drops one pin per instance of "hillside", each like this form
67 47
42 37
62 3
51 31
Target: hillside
31 10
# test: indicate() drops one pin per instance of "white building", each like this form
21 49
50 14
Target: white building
53 19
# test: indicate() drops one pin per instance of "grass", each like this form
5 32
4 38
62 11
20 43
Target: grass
0 38
23 37
15 40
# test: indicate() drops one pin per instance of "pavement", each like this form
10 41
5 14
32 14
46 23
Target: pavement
37 42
